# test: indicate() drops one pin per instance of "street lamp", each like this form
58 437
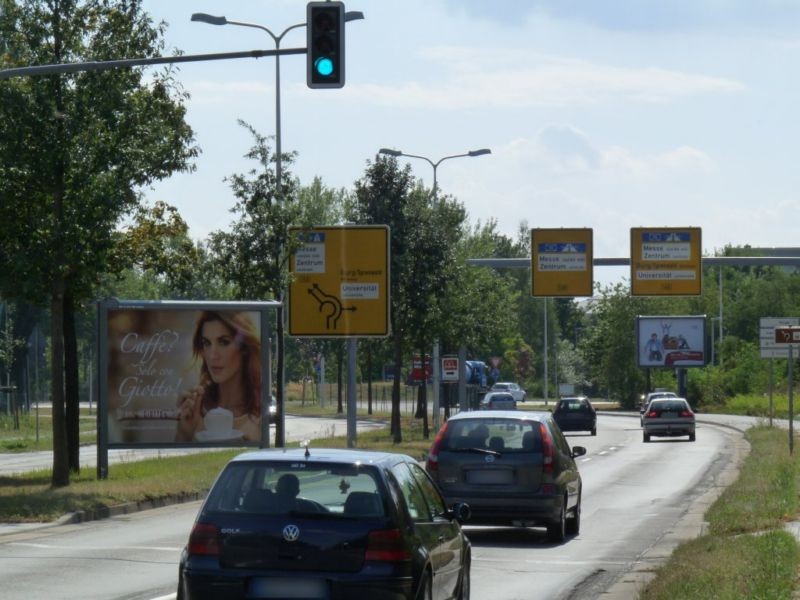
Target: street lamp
435 165
462 355
213 20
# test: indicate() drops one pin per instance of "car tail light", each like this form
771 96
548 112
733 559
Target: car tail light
652 414
386 545
548 450
687 413
204 540
432 464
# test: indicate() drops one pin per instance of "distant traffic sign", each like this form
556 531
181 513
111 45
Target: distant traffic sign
769 347
787 335
561 262
666 261
340 285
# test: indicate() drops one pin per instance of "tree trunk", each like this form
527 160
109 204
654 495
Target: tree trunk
339 377
369 379
71 384
60 460
397 434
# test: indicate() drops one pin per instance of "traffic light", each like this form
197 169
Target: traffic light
325 44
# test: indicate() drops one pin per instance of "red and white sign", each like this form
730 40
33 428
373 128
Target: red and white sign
449 368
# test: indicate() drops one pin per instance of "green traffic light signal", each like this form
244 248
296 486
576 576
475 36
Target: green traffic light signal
325 44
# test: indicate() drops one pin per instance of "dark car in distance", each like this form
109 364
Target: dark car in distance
512 468
575 413
332 524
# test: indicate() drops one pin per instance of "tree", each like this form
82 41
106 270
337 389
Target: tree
254 253
74 150
382 197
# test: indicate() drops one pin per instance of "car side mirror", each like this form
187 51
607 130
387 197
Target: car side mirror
460 511
577 451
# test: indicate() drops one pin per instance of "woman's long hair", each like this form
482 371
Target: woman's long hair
246 336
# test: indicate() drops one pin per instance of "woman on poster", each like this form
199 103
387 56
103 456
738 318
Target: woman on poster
229 347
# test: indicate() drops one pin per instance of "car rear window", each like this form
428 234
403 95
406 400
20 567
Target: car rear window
261 488
669 406
501 435
573 405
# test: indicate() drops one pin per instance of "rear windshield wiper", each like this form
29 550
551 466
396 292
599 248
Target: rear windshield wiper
476 451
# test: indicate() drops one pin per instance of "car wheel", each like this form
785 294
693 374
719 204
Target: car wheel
574 523
594 431
646 437
463 587
426 589
557 530
691 437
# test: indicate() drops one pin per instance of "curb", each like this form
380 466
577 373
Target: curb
102 512
105 512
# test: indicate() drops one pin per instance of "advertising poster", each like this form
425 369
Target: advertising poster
671 341
183 376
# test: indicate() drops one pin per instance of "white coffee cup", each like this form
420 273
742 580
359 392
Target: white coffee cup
219 421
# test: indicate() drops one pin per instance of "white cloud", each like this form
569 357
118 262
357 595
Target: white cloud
516 79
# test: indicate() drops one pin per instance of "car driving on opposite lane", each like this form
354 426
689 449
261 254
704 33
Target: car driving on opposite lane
512 468
512 388
332 524
498 401
668 417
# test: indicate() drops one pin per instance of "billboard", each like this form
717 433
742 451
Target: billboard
183 373
671 341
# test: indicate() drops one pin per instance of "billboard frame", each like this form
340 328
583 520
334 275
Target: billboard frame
108 305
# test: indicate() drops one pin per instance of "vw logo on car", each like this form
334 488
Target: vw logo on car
291 533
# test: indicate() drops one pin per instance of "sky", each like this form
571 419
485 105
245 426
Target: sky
606 114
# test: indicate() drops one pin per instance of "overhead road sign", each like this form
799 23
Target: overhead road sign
340 282
666 261
561 262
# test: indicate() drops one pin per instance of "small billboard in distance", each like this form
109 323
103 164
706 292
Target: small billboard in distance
671 341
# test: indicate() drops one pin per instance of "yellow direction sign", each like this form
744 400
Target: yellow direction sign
666 261
561 262
340 282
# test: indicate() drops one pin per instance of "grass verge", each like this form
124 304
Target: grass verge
30 498
746 553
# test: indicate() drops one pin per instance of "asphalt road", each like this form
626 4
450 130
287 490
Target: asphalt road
636 496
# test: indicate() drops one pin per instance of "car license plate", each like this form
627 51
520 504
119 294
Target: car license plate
669 415
287 587
489 476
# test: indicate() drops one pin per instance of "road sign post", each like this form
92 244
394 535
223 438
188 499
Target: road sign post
789 335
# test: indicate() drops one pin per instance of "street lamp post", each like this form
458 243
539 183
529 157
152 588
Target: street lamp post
213 20
435 194
435 165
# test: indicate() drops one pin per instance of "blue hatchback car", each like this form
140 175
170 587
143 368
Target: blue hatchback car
332 524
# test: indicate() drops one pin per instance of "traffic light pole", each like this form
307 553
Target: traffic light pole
139 62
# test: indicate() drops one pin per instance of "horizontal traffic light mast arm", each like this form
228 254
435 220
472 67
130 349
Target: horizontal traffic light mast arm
138 62
708 261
